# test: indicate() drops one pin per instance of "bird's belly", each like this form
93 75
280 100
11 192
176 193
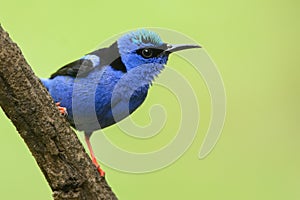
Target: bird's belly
100 111
122 109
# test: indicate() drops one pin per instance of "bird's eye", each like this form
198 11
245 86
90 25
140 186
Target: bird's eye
147 53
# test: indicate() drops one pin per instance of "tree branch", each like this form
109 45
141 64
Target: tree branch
56 148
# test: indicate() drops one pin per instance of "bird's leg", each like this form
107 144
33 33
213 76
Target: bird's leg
94 160
62 110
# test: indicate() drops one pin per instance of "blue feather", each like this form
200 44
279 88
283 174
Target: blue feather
108 84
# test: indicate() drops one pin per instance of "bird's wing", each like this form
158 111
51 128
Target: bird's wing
79 67
99 58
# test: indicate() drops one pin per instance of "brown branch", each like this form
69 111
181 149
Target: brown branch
56 148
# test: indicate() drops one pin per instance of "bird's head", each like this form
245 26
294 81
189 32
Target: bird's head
145 48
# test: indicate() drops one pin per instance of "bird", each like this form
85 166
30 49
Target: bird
108 84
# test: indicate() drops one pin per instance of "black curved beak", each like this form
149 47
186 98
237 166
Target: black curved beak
178 47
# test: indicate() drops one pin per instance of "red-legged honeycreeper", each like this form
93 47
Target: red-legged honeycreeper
108 84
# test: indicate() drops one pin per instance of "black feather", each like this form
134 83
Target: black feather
80 68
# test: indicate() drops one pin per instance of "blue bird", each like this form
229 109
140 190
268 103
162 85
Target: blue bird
108 84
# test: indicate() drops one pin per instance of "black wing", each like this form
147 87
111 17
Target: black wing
72 69
82 67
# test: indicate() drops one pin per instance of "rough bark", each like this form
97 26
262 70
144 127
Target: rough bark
56 148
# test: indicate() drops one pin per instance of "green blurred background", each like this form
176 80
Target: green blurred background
255 45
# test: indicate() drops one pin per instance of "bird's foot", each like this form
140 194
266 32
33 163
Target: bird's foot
101 172
94 160
62 110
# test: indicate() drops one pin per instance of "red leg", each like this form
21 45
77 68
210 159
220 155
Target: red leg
87 140
62 110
